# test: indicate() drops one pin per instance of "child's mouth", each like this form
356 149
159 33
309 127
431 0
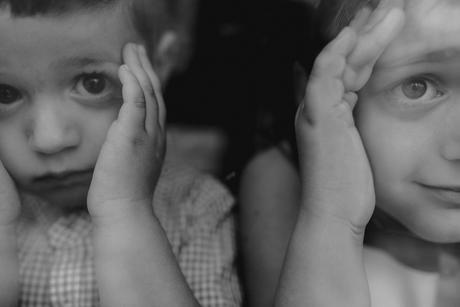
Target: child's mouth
447 194
63 179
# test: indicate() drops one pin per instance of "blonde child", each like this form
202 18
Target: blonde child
82 143
379 126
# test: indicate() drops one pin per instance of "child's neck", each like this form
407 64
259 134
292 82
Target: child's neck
38 211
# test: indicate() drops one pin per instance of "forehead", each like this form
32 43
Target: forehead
42 39
432 28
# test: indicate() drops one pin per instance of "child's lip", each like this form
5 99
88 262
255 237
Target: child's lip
451 188
446 193
64 179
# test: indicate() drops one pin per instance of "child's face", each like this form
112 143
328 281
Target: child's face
409 119
59 94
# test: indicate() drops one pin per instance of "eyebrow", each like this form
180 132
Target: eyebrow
85 60
440 55
431 57
435 56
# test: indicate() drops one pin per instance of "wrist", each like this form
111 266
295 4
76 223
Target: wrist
124 224
335 224
325 252
120 211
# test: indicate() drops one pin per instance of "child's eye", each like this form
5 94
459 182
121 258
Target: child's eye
92 84
9 94
414 89
417 90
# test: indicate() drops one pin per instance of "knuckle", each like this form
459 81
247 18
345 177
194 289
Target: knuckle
139 102
329 63
138 141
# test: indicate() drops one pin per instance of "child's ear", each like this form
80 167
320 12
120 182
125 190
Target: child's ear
166 55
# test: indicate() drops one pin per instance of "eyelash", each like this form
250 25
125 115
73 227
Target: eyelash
13 104
109 91
109 82
397 94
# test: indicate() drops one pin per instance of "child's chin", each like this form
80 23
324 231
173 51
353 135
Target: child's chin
431 231
68 199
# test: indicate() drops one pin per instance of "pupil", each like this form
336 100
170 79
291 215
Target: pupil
8 94
94 84
415 88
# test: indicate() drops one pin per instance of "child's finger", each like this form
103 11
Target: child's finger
361 19
155 83
132 111
381 11
324 88
372 44
331 61
151 118
132 59
370 47
351 98
321 97
377 15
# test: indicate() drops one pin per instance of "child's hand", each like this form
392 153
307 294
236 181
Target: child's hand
9 262
131 159
336 175
10 205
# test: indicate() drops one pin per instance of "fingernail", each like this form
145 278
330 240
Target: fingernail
123 71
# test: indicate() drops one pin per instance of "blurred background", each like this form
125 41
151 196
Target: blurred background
235 82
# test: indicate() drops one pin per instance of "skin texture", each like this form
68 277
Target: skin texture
269 202
409 143
60 127
407 117
412 143
52 121
338 197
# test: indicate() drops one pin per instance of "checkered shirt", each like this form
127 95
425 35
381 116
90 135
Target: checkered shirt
57 267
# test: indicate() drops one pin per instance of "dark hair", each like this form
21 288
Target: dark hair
284 48
150 17
22 8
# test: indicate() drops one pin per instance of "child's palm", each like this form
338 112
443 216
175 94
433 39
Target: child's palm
337 177
131 158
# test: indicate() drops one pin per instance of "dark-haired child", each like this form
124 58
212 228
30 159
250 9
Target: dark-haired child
89 216
379 127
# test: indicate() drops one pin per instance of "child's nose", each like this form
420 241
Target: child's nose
51 131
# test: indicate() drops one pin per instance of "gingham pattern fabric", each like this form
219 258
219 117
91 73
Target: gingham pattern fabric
57 265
